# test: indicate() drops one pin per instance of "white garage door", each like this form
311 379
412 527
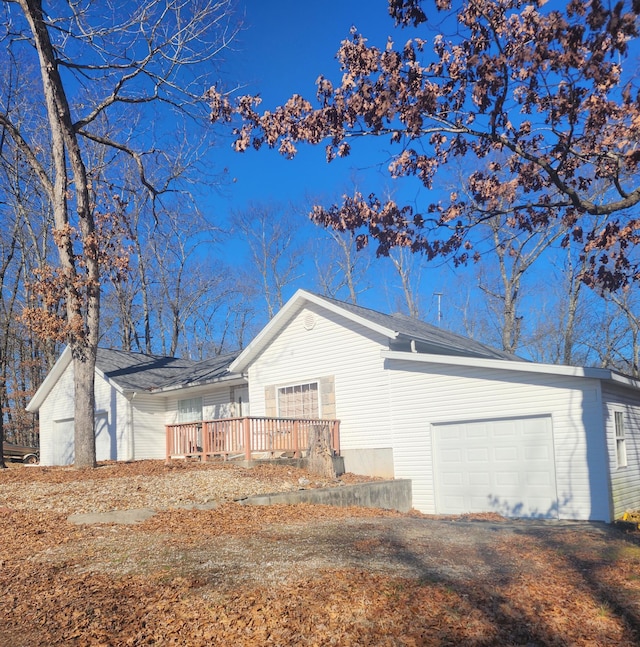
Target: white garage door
504 466
62 452
61 443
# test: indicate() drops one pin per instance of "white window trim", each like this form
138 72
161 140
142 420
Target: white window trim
293 385
620 438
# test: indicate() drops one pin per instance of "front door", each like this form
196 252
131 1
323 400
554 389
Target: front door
241 401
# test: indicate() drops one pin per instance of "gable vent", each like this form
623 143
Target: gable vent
309 321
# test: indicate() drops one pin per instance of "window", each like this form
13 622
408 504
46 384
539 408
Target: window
621 443
298 401
190 410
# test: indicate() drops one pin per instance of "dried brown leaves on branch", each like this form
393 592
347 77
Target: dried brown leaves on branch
542 102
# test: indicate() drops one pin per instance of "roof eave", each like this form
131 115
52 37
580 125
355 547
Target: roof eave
231 380
50 381
506 365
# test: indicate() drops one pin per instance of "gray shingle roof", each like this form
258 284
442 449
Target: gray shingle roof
435 340
140 372
206 370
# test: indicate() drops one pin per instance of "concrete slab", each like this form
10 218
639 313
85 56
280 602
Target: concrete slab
115 516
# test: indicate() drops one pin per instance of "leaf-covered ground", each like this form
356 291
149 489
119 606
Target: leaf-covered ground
311 575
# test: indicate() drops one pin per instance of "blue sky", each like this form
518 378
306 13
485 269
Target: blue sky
284 46
282 49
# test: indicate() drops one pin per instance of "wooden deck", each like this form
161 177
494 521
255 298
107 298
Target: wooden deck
246 437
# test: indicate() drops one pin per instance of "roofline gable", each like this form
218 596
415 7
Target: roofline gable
286 313
50 381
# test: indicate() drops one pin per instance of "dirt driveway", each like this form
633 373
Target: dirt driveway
314 575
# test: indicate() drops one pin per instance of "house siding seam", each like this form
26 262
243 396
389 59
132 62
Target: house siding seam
625 481
424 395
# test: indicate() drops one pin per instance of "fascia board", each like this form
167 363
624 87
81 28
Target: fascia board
294 305
502 364
50 381
228 380
624 380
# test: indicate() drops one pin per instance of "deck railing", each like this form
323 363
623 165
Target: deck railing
246 436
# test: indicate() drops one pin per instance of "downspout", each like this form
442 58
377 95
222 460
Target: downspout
131 440
413 346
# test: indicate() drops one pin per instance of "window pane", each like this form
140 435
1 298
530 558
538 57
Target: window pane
299 401
621 444
190 410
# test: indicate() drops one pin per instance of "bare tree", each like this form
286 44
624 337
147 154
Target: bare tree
339 265
96 63
408 268
275 254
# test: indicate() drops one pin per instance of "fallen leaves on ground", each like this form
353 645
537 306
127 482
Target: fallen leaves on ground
313 575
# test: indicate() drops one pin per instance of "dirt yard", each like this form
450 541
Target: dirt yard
293 575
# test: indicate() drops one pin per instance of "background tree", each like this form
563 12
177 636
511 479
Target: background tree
275 253
553 91
408 270
97 63
339 267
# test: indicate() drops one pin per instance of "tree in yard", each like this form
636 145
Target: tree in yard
543 103
98 63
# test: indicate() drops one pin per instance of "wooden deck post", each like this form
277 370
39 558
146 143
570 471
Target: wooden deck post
296 439
167 431
205 440
246 427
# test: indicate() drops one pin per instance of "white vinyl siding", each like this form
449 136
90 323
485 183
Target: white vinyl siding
332 346
625 482
148 414
56 414
113 440
216 403
298 401
426 394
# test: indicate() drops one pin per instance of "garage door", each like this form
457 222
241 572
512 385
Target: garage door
504 466
62 443
62 452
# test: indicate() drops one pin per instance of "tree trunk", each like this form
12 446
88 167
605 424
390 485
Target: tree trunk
83 310
84 435
320 456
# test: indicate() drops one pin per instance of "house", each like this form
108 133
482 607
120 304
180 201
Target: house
474 428
136 395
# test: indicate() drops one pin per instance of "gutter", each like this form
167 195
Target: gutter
509 365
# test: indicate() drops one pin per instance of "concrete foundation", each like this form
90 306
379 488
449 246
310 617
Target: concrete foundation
388 495
338 463
371 462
